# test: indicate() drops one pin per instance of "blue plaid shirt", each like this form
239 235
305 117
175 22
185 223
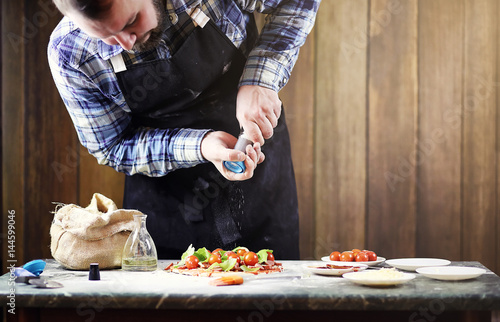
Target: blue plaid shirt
88 85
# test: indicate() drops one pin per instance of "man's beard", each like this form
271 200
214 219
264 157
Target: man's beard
156 33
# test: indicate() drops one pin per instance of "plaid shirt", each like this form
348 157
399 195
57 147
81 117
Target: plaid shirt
88 85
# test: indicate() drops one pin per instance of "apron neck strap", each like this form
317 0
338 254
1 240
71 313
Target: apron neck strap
198 16
199 19
118 63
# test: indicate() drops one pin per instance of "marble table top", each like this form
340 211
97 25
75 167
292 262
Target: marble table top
296 288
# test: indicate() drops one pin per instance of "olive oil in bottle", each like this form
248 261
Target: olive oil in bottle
139 252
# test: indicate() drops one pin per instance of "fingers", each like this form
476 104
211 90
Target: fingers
277 111
232 155
257 152
253 157
261 126
215 147
267 125
262 158
254 133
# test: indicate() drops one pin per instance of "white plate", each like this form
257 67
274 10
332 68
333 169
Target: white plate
411 264
370 263
451 273
321 268
361 278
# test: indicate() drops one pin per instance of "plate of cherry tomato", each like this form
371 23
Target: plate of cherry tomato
355 255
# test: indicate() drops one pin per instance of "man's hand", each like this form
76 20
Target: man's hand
215 147
258 110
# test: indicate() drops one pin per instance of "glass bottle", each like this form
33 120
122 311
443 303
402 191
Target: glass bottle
139 252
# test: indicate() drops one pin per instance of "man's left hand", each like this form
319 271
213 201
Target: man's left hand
215 148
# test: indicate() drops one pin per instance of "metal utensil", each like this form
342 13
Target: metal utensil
45 283
267 278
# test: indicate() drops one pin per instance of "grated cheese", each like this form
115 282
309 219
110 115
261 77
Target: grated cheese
381 274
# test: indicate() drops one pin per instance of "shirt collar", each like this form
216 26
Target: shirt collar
107 51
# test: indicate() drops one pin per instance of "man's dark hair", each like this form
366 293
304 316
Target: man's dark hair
92 9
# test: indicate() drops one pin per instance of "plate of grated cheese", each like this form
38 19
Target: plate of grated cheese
381 277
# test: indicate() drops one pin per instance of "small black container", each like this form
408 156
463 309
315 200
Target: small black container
94 274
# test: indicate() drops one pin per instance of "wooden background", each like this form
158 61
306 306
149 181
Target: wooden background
393 116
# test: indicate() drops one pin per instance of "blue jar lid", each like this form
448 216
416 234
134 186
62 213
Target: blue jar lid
35 266
235 166
22 272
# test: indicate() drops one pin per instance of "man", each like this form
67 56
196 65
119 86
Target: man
160 89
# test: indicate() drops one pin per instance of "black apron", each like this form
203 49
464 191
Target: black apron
196 88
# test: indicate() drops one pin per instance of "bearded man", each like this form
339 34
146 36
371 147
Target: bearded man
161 89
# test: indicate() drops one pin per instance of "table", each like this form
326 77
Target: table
295 294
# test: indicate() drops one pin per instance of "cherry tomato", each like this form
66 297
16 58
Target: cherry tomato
192 262
241 252
356 250
214 258
270 256
250 259
371 255
361 257
217 251
233 255
347 256
335 256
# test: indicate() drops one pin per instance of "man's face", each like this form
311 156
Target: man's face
133 24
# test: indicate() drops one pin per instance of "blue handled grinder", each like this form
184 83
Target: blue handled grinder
241 145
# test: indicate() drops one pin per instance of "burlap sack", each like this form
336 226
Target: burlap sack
95 234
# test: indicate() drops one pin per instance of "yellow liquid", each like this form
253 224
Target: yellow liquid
139 264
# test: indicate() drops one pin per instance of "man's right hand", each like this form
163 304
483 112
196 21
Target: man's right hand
215 147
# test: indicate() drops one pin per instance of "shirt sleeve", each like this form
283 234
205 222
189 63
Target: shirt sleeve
105 128
287 26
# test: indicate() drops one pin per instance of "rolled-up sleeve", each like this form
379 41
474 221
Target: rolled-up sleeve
105 128
288 23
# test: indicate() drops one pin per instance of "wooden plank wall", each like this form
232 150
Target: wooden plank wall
43 160
3 245
49 135
440 95
479 121
12 123
340 130
392 110
392 115
495 89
